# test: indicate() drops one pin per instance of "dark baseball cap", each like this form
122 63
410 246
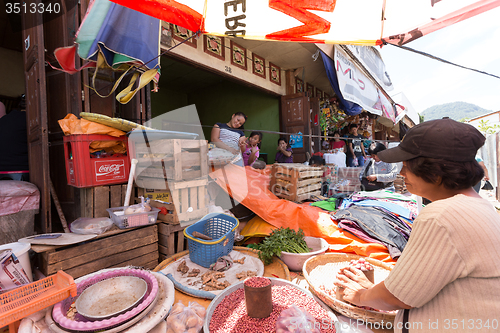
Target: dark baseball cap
442 138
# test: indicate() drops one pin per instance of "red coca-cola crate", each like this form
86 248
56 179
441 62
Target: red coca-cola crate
84 171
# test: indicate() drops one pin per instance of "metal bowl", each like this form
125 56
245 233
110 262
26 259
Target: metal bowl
111 297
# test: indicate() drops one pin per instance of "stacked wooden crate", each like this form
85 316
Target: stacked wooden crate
295 182
174 174
95 200
115 248
348 179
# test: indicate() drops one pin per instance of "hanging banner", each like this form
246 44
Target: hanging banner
362 22
357 88
371 59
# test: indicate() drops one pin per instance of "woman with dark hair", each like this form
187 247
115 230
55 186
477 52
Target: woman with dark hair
376 174
229 136
336 143
448 275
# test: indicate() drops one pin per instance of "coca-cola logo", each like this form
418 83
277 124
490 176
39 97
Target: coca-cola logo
107 169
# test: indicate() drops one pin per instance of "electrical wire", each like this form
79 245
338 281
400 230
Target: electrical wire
439 59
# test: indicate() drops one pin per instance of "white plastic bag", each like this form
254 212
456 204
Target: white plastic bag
297 320
186 319
87 225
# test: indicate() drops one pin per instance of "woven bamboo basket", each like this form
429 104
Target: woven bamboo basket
344 308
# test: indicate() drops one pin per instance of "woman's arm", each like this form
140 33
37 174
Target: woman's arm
243 143
485 170
214 138
358 290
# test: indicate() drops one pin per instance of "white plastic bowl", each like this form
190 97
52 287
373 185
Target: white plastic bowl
111 297
295 261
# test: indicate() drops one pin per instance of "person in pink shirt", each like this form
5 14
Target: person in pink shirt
250 149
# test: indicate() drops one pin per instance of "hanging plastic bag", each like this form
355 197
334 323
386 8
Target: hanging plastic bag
186 319
297 320
487 186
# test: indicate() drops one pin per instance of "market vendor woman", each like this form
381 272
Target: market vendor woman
448 276
229 136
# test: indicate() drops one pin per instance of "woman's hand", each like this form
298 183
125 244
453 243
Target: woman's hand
371 178
354 283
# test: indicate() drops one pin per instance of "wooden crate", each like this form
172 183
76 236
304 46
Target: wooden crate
295 182
95 200
184 201
348 179
169 159
115 248
170 240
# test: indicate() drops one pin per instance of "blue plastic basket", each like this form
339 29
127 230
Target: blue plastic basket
220 227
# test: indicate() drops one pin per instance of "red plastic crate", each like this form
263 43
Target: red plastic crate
84 171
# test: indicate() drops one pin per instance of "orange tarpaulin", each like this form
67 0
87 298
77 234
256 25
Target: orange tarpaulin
255 195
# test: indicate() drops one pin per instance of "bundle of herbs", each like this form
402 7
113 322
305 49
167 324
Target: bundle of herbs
287 240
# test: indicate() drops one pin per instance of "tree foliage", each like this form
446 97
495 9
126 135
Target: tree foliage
456 111
486 128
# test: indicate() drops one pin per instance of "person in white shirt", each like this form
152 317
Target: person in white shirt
380 173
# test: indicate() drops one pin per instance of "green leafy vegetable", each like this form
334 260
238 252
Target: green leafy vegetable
287 240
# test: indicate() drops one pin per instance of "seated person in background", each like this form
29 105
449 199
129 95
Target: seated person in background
336 143
284 154
13 144
316 161
229 136
251 149
376 174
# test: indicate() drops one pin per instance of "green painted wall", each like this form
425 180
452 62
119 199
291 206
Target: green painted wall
167 100
217 102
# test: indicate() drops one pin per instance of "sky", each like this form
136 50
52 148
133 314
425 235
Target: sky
426 82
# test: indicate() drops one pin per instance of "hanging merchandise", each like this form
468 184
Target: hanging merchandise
331 117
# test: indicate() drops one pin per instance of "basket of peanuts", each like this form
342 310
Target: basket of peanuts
320 273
